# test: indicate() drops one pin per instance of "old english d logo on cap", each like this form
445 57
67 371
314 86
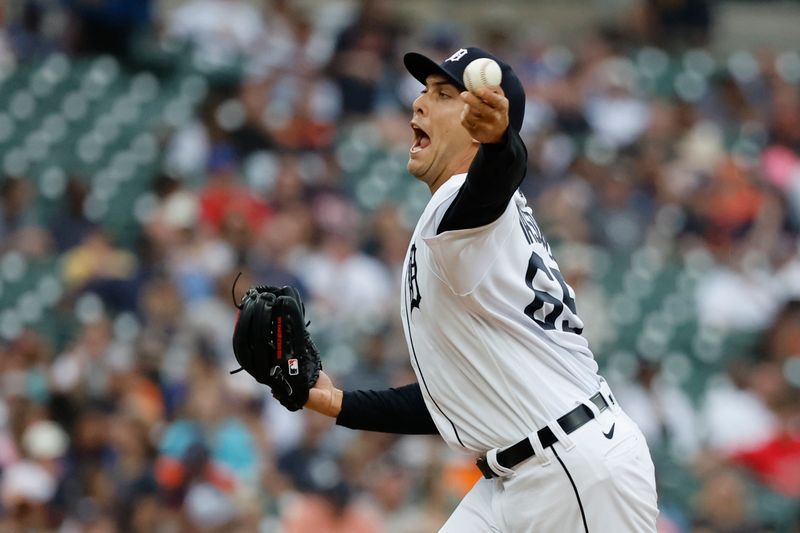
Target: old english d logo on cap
458 55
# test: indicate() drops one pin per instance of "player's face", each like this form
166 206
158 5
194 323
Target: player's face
441 146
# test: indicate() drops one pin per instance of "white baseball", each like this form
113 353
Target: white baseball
482 72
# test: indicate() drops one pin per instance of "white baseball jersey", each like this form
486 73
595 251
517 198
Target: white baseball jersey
491 326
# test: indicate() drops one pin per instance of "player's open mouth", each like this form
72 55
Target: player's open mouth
421 139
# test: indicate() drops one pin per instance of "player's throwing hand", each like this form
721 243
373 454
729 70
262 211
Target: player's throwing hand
485 114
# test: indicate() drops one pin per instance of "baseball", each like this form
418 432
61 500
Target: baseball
482 72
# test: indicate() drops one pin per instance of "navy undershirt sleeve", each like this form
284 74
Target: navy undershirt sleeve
401 410
493 177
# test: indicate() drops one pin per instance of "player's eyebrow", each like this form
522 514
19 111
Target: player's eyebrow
441 83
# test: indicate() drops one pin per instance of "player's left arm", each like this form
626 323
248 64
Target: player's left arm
399 410
498 168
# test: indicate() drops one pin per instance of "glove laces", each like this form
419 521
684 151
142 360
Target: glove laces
237 306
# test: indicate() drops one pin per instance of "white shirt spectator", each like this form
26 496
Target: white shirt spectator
26 481
618 120
720 294
222 29
80 367
663 410
354 289
736 419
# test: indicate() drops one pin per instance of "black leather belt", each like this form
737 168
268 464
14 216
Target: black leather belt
516 453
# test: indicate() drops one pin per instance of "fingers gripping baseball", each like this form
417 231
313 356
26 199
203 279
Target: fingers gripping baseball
485 114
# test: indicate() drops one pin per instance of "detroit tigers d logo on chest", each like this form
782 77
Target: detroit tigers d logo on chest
411 277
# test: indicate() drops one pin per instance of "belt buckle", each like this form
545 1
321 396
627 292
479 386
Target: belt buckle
483 466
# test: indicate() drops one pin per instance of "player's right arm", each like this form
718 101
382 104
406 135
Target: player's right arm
498 168
399 410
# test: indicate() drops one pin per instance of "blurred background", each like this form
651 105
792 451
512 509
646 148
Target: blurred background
151 150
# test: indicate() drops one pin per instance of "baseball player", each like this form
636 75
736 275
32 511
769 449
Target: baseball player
494 335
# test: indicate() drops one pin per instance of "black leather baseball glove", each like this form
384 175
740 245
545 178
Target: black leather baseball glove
271 343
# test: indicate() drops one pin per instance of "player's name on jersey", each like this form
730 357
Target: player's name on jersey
529 227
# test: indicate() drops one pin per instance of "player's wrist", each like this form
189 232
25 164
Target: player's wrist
327 401
499 143
337 397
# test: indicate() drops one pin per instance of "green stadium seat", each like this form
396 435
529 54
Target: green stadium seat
74 106
49 289
22 105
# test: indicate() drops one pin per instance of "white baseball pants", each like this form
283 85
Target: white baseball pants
598 479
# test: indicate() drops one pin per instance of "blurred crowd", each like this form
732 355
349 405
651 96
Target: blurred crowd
133 423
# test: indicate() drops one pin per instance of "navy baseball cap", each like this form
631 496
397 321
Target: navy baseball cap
453 67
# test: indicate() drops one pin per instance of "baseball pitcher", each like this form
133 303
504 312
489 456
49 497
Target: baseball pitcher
493 334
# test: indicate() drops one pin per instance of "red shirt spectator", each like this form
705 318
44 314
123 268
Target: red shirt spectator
776 462
224 196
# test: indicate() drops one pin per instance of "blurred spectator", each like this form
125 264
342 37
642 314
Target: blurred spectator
776 459
730 105
166 343
301 115
735 416
25 367
731 205
27 35
283 245
222 31
331 511
135 487
7 57
296 45
196 261
782 338
211 319
391 488
327 502
763 287
85 368
310 460
619 212
208 508
45 444
373 370
208 435
784 127
662 411
15 212
676 22
347 285
27 488
224 196
776 462
363 51
613 108
107 26
69 226
95 257
288 98
86 481
723 505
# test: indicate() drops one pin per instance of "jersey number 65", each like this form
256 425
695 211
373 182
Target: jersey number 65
549 320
